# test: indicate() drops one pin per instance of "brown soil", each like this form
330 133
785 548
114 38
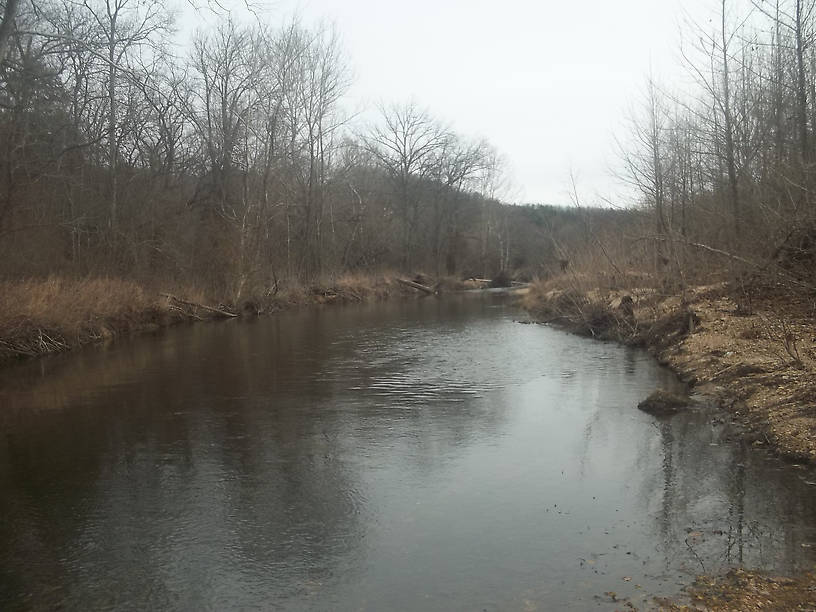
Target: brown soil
760 365
756 357
742 591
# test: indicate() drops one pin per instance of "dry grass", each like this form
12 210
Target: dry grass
596 312
52 314
70 305
761 366
331 289
364 286
40 316
350 287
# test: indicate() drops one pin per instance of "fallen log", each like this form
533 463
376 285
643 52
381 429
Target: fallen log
417 286
216 311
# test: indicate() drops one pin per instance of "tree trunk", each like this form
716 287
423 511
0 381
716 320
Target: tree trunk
6 26
730 159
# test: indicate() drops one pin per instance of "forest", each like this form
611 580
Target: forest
228 166
724 162
227 162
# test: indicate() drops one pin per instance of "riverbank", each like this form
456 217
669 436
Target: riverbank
744 591
57 314
754 353
758 362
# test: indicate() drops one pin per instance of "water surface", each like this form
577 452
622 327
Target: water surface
422 455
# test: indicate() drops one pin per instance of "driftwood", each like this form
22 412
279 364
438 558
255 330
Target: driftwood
417 286
216 311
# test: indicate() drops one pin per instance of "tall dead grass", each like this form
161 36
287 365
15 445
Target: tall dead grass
70 305
365 286
347 287
53 314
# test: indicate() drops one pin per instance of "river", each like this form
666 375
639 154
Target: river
410 455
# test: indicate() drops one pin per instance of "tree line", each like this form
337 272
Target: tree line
230 162
726 164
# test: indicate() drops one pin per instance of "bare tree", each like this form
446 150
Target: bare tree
322 78
228 165
406 144
459 164
646 164
7 26
125 27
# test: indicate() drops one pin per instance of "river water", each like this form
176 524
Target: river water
420 455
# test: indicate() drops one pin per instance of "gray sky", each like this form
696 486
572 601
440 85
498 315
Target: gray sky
549 83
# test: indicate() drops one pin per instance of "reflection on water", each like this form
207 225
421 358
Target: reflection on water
430 455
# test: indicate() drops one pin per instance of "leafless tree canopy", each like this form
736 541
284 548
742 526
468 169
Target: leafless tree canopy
231 163
730 165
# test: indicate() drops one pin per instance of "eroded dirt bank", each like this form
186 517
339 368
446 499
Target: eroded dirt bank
759 363
744 591
755 355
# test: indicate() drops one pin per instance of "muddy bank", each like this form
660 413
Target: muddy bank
39 317
743 591
754 354
760 364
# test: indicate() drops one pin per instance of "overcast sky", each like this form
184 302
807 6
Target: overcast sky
548 82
